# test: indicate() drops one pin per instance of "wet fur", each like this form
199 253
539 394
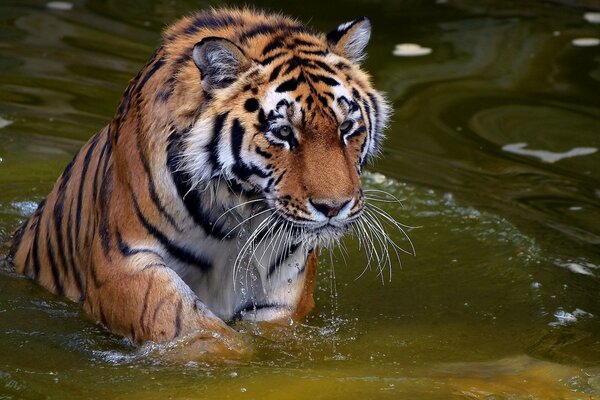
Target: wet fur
143 227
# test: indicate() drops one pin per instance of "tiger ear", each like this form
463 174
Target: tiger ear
351 38
220 62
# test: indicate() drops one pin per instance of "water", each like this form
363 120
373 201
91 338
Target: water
493 150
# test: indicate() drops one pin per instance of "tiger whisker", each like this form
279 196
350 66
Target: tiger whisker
249 242
237 206
390 218
248 219
380 229
373 254
380 238
396 224
388 194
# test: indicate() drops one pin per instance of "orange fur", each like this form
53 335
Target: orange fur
100 236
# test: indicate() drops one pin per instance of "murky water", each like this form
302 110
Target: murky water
493 151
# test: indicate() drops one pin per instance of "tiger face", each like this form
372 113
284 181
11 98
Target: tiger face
302 120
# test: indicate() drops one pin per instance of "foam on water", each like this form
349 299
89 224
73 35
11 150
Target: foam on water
563 317
443 208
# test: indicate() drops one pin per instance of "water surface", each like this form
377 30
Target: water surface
493 150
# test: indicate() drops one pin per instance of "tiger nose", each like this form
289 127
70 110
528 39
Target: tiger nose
329 208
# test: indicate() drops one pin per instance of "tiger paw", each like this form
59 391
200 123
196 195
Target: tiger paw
204 346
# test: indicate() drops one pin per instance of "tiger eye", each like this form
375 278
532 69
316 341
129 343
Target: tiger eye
345 126
284 131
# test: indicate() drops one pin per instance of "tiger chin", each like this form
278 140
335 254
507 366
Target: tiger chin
234 153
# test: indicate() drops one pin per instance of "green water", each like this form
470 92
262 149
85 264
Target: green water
502 298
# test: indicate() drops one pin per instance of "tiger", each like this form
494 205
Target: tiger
233 155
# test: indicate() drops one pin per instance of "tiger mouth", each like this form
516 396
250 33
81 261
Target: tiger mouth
317 232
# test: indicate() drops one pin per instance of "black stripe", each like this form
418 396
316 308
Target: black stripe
294 63
178 318
190 197
309 101
104 203
368 112
128 251
176 251
356 132
15 240
270 59
276 43
263 153
207 19
108 154
287 86
58 214
323 100
323 66
86 165
71 251
151 186
237 138
377 135
269 29
240 169
213 145
251 306
157 65
275 73
313 52
167 90
35 249
325 79
301 42
154 265
100 159
53 266
145 306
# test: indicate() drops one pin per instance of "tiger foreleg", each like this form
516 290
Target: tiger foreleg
148 302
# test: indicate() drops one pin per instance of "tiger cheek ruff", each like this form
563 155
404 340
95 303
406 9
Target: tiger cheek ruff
234 154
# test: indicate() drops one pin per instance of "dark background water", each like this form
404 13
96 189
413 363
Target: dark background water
502 297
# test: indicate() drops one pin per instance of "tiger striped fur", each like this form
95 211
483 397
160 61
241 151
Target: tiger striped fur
233 154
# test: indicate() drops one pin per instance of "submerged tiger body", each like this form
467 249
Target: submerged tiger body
233 154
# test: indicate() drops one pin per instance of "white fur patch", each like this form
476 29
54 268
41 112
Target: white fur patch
195 158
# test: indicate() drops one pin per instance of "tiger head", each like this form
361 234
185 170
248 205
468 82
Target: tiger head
292 117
